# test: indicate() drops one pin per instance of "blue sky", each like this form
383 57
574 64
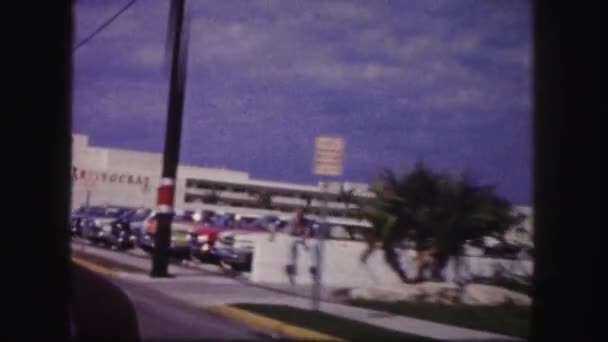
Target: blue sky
446 82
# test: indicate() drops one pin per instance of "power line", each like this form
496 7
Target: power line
104 25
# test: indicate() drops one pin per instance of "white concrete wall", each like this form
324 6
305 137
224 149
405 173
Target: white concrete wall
342 267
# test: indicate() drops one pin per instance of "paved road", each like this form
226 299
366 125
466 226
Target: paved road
167 307
164 318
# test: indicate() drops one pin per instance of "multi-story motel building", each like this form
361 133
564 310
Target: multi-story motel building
130 178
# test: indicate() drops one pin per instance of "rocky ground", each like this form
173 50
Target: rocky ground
439 292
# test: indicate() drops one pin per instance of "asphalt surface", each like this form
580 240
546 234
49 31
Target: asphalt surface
161 317
171 308
162 312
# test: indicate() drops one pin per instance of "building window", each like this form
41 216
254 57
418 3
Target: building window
191 198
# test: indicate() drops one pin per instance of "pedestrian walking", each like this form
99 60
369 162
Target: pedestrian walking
298 232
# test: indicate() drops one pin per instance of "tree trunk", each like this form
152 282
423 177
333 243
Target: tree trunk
371 246
392 258
440 262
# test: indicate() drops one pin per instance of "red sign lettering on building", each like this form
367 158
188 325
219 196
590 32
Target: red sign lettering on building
109 177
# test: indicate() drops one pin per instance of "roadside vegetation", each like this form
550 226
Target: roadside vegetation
328 324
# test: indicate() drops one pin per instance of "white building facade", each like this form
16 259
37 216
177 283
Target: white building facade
109 176
112 176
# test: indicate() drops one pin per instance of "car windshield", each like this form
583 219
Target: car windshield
269 219
184 217
222 221
206 216
127 214
208 219
114 212
140 215
95 211
248 220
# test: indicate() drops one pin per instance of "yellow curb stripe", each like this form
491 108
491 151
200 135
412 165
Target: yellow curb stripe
93 267
269 325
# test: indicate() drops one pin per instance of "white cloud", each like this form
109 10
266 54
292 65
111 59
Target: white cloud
346 10
416 46
217 42
90 17
468 42
376 38
291 46
149 55
115 101
332 72
519 56
458 98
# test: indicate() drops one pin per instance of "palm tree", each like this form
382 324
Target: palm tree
391 220
438 211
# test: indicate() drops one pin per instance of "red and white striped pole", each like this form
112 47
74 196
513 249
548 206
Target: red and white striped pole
165 196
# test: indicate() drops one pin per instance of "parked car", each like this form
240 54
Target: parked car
234 247
182 225
246 221
259 223
96 223
202 242
127 228
225 220
205 235
77 217
204 215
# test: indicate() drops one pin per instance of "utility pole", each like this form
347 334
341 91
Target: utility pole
166 189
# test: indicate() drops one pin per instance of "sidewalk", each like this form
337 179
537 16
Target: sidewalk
206 286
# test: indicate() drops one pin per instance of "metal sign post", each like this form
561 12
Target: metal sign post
329 156
320 249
